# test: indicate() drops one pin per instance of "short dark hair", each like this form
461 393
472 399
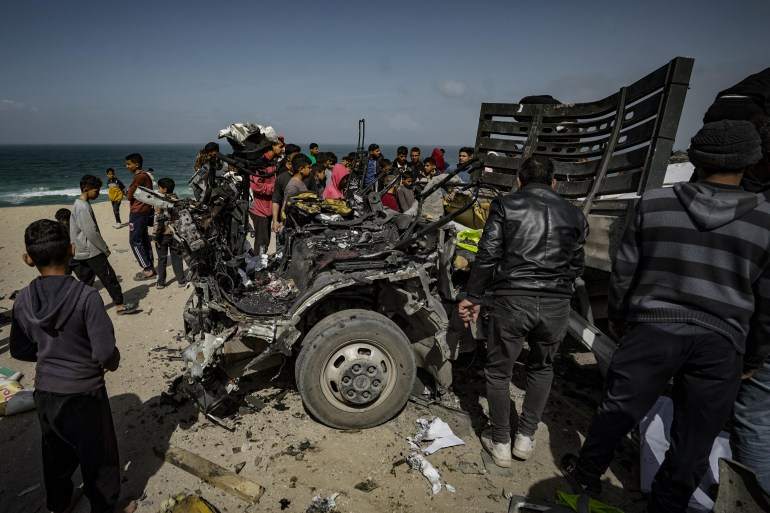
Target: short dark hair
313 146
331 156
291 148
429 160
374 146
402 150
211 146
385 163
318 168
135 158
537 169
407 174
300 160
415 148
168 184
63 214
467 149
90 182
108 170
47 242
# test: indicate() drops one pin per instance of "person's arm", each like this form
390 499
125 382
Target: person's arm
577 263
758 338
21 346
625 268
132 188
100 332
490 252
276 211
84 217
264 186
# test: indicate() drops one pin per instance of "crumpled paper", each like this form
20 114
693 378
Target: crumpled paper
437 430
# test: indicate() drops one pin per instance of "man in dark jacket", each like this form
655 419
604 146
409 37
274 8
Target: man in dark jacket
531 253
691 276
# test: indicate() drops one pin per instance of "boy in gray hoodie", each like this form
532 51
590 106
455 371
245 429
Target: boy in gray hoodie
61 323
91 250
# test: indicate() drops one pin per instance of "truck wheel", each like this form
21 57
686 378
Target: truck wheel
355 370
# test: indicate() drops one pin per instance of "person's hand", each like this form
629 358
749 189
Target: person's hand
469 311
617 329
746 374
277 225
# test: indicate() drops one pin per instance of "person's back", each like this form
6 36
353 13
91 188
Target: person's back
543 236
62 324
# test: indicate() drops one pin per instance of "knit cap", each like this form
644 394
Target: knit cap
725 145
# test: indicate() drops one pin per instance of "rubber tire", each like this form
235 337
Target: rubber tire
333 333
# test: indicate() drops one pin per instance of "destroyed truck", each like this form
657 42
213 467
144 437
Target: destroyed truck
358 298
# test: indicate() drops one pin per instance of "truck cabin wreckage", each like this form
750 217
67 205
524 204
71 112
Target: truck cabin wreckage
359 297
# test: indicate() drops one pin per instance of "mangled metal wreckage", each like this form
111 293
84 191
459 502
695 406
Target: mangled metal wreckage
360 297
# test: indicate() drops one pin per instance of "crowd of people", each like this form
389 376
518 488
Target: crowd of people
689 300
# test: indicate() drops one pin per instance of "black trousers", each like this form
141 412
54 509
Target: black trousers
77 429
116 210
542 323
168 249
706 369
100 266
262 232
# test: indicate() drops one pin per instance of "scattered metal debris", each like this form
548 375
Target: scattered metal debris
418 462
28 490
367 485
323 505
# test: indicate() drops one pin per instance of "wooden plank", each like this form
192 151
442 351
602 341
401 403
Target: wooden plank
212 473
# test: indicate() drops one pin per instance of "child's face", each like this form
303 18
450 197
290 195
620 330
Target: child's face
429 168
463 157
132 166
320 176
162 190
407 182
92 194
110 174
305 171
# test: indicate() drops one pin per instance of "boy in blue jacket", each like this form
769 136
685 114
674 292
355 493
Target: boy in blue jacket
61 323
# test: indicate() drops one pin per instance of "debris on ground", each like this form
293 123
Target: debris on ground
467 467
418 462
28 490
284 503
182 503
323 505
367 486
435 430
212 473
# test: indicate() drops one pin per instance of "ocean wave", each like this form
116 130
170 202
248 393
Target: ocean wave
29 195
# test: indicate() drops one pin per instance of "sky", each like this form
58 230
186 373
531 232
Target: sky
167 71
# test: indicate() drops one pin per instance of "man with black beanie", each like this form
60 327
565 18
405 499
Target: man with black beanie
690 277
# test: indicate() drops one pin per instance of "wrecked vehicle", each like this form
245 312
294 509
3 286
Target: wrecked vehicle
358 297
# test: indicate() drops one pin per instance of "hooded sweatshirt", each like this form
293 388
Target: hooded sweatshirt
698 253
61 323
333 190
84 232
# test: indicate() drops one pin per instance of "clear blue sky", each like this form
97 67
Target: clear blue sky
178 71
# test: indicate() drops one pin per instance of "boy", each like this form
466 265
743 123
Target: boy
261 211
90 248
115 191
61 324
139 219
389 199
405 193
83 272
319 178
164 240
301 166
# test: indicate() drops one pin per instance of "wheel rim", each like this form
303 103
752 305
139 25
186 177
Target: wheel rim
358 376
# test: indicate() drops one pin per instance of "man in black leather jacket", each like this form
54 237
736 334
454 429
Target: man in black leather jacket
529 257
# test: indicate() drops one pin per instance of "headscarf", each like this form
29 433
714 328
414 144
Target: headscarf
439 158
333 190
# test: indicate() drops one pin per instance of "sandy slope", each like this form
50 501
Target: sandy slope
268 441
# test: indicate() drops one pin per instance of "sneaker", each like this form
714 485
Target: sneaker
160 286
500 453
182 285
523 447
579 485
117 225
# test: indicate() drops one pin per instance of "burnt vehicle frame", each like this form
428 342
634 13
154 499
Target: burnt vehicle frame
371 293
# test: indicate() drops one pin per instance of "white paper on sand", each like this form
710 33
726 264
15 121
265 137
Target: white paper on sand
654 430
436 430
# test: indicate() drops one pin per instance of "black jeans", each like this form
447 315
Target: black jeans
542 323
168 248
262 232
116 211
707 373
100 266
77 429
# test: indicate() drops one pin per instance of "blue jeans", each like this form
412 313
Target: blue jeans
750 437
542 323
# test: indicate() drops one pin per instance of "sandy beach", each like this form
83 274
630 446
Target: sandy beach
279 447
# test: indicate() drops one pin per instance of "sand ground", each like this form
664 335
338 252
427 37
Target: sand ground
281 447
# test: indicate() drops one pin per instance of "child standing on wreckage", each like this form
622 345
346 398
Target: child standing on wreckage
60 323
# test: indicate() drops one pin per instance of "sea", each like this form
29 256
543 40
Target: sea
50 174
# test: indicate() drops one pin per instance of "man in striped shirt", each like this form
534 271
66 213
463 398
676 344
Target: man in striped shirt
690 297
